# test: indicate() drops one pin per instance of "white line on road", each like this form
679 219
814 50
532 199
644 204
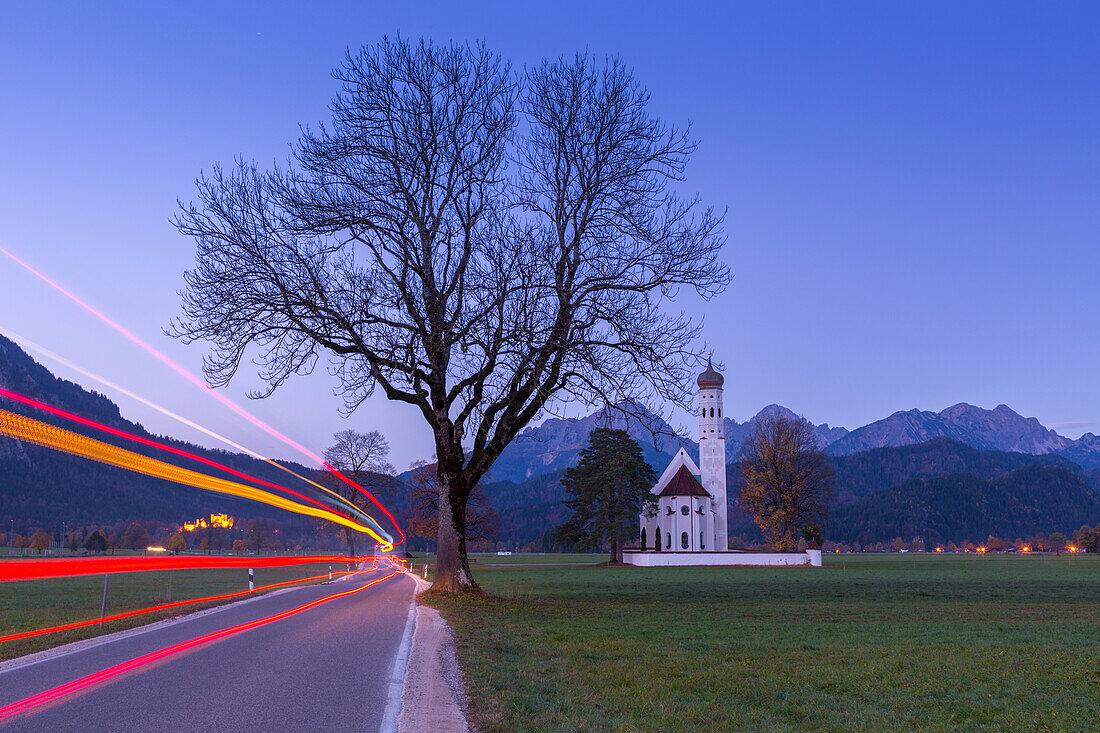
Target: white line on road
397 674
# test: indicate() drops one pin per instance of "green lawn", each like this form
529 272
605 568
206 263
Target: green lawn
869 642
37 604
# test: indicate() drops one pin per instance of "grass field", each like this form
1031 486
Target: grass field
37 604
869 642
550 558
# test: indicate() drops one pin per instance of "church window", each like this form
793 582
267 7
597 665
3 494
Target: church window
684 510
712 412
702 545
668 544
684 540
719 412
704 412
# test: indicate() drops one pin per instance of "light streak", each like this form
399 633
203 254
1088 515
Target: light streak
203 386
69 688
164 606
11 570
39 433
43 351
31 402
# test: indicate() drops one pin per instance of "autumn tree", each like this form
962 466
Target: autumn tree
96 541
361 457
478 243
40 542
481 520
787 481
1088 538
607 490
136 537
258 535
176 543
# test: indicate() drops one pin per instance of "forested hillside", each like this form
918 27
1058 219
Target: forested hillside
958 507
41 487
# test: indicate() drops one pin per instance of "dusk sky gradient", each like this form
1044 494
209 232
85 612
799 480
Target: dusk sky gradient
913 190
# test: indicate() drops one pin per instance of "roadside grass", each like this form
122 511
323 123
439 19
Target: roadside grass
867 643
36 604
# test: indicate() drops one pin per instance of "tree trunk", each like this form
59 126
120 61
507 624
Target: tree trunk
351 541
452 573
616 547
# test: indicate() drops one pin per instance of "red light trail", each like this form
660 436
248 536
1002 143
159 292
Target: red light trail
12 570
202 385
50 436
69 688
31 402
164 606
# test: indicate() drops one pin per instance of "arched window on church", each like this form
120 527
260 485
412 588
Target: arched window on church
684 540
704 412
668 545
684 510
712 412
719 412
702 545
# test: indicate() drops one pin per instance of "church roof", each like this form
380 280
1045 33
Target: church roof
684 484
709 378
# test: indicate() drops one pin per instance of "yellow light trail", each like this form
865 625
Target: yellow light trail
43 351
50 436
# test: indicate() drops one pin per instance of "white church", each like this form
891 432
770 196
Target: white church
689 526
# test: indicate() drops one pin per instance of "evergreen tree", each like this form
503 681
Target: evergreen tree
608 488
96 542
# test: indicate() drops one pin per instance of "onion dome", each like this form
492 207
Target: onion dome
709 378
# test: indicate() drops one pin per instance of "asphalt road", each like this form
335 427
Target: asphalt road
326 668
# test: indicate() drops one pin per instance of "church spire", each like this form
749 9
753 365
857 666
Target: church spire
710 377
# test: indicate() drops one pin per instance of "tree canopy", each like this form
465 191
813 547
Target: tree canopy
787 481
476 242
608 489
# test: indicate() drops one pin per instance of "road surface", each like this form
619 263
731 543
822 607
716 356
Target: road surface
326 668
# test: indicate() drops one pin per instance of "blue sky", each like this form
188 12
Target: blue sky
912 187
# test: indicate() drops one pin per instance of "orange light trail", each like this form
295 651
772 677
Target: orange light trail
29 345
11 570
31 402
203 386
164 606
69 688
39 433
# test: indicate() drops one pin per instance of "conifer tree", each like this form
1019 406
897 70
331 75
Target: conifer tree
608 488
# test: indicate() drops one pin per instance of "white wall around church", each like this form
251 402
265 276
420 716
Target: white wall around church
809 558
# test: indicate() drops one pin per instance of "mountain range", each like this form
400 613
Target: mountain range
902 458
555 444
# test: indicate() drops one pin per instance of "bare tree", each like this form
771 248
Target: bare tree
361 457
788 482
481 521
477 269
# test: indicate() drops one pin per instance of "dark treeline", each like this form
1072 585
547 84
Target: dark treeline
961 507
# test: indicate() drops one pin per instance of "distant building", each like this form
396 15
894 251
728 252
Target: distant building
223 521
689 526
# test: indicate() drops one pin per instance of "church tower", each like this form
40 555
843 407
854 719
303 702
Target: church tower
712 450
